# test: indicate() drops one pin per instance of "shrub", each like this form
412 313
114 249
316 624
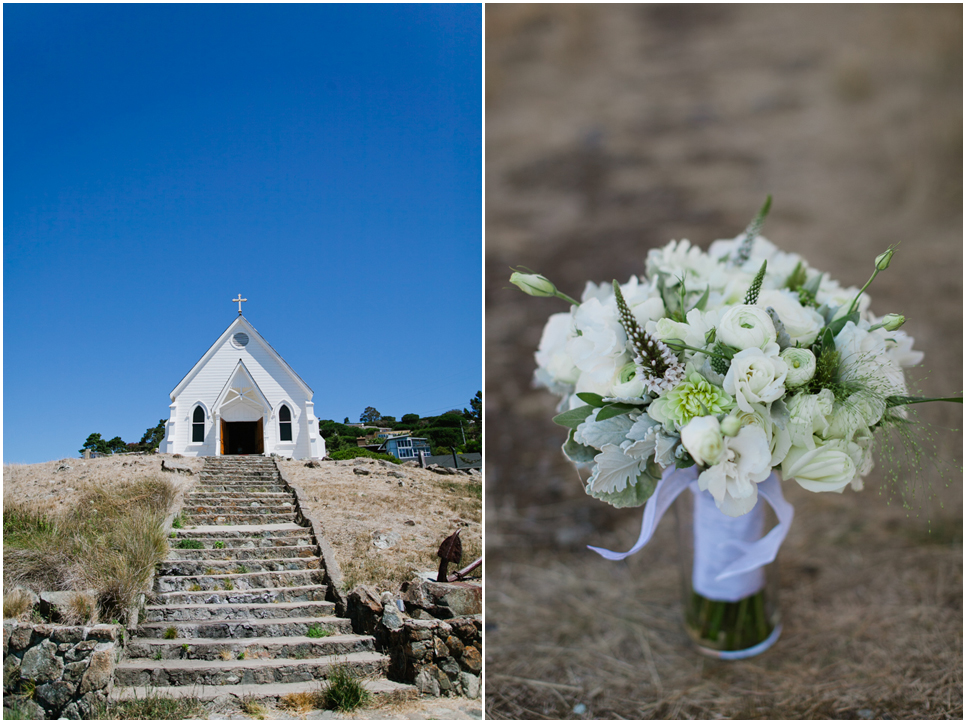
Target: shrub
219 545
170 633
354 452
343 691
190 545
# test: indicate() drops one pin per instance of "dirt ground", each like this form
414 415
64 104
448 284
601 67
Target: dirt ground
614 129
418 511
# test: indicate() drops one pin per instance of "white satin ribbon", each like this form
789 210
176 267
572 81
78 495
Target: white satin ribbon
753 554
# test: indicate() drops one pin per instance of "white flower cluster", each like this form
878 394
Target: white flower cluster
772 366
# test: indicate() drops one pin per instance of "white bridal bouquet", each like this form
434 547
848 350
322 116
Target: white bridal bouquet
731 362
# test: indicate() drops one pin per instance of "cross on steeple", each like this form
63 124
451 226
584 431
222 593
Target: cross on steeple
239 300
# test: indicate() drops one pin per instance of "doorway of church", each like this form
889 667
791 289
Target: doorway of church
242 438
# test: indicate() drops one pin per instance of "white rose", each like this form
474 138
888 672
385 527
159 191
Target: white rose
801 324
746 327
801 366
756 375
703 439
779 438
552 353
733 481
828 468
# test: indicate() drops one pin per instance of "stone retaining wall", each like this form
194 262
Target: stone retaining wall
55 671
440 657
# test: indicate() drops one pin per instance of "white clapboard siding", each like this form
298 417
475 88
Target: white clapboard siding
209 380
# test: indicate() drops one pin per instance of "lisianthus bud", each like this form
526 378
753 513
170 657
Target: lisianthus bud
730 426
533 284
891 322
882 260
801 366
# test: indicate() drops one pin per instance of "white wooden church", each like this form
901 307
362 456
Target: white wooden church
242 398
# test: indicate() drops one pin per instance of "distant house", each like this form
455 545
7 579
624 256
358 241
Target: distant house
405 447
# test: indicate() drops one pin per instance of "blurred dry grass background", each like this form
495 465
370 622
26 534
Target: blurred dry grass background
614 129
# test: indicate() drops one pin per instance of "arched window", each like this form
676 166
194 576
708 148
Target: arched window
285 424
198 425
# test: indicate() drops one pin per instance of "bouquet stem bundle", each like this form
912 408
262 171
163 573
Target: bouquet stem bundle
728 626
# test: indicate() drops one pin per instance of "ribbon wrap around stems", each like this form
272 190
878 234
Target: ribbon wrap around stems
745 556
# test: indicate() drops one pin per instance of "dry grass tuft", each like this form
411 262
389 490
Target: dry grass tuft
17 604
252 707
109 541
81 609
299 702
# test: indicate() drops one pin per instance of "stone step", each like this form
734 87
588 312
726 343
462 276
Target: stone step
242 672
378 688
247 628
255 507
244 581
194 568
297 647
238 543
285 529
254 595
218 497
217 488
228 477
194 519
237 611
243 553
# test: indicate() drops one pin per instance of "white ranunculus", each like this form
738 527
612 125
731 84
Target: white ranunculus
733 481
826 468
809 415
552 354
801 324
746 327
801 366
857 413
703 439
755 376
628 384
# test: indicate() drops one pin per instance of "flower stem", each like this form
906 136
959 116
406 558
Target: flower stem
569 300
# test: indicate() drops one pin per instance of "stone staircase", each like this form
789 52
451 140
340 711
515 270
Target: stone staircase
239 605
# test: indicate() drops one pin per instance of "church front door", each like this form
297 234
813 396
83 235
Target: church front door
242 438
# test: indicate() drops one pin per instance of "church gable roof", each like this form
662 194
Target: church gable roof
240 324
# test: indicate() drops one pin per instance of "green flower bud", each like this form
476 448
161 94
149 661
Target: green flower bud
882 260
891 322
730 426
533 284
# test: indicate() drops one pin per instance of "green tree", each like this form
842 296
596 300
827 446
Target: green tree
409 419
95 443
117 445
370 415
153 436
475 413
387 421
346 420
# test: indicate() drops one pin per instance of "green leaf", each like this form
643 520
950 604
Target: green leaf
594 400
797 278
633 495
573 418
899 401
837 325
812 286
578 453
703 301
614 410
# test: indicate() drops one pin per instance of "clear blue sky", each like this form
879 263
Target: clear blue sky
324 161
